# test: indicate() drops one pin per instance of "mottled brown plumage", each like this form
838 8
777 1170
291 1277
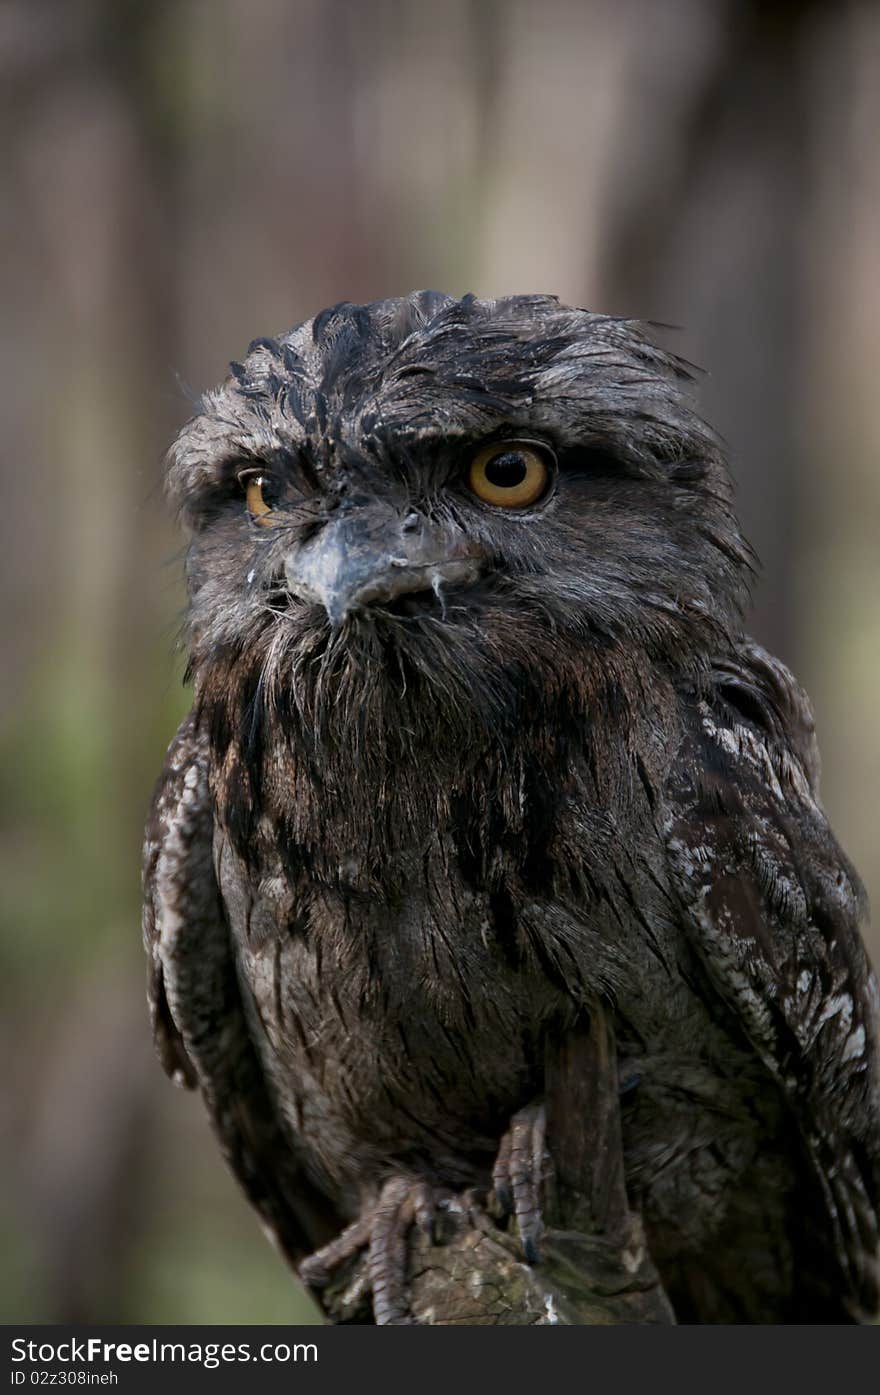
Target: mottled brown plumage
454 770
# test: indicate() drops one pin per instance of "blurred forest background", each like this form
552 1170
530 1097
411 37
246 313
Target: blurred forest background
180 177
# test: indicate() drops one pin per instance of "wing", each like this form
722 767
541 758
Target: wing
198 1020
773 908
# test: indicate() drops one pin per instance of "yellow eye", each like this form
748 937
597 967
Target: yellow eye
510 474
256 504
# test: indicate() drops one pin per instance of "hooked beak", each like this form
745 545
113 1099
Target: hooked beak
370 555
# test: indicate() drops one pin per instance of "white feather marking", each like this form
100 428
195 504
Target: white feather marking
840 1005
854 1045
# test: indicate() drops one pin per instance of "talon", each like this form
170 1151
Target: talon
518 1175
386 1257
382 1230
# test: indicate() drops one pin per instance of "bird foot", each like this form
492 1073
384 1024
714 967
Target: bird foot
521 1168
382 1230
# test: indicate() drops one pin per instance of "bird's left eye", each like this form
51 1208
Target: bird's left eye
510 474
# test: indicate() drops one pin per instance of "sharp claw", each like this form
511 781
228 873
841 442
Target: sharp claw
531 1249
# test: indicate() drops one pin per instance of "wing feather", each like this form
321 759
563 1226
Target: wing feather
199 1024
773 908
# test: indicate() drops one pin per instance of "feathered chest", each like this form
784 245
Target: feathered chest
506 891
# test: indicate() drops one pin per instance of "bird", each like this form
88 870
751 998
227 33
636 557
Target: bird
478 739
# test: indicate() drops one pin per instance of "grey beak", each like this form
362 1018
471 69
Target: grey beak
370 554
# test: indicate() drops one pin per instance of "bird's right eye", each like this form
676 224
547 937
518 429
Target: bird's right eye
258 494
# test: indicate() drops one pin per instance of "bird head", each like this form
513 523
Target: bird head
452 503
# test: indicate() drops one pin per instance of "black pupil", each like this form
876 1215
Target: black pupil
508 470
